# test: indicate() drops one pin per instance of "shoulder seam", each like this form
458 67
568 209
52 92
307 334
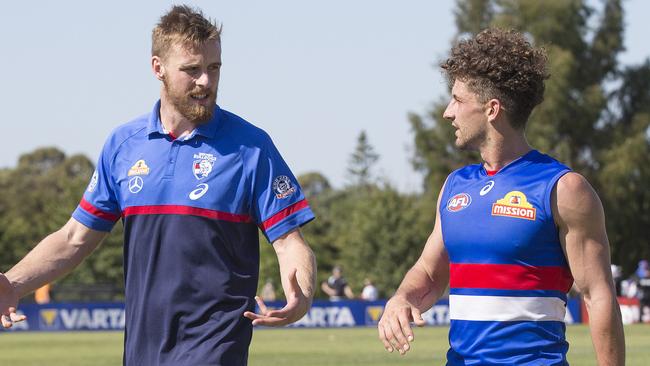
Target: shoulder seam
548 207
117 148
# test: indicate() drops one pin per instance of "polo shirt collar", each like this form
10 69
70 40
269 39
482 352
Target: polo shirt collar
209 129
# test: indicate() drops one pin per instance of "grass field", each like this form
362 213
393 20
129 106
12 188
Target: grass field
290 347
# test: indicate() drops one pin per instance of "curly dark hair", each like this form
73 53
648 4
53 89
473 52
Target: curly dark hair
501 64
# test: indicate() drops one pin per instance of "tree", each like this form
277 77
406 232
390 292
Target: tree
362 161
314 184
382 237
38 197
624 177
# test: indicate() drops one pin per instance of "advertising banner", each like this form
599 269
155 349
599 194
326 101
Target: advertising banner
323 314
354 313
71 316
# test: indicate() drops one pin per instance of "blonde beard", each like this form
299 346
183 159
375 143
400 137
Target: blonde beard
196 114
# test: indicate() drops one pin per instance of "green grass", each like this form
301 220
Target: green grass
288 347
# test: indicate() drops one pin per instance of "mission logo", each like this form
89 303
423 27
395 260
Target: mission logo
514 204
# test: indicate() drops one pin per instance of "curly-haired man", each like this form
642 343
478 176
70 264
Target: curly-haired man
513 233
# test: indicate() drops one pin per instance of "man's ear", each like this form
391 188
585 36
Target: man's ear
157 67
493 109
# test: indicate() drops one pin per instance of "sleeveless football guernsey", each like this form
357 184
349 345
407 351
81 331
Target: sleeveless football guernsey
508 273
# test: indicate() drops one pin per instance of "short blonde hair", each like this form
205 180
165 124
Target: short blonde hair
183 25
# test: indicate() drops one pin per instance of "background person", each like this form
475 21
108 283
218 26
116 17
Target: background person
641 280
336 286
268 291
42 294
369 291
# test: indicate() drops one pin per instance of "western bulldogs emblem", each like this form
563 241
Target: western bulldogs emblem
202 166
282 187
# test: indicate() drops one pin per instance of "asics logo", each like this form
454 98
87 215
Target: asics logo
199 191
487 188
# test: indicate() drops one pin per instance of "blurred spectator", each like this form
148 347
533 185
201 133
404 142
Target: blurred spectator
643 283
629 287
336 287
369 292
642 269
42 294
617 276
268 291
638 286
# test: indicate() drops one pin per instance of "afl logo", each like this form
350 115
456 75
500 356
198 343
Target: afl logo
459 202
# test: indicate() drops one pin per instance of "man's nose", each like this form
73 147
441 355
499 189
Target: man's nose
203 80
447 114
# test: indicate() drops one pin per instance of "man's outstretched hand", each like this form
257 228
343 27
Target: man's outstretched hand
297 306
8 303
395 324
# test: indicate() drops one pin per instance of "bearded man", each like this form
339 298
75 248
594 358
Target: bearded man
192 183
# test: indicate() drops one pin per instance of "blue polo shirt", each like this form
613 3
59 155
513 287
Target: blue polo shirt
191 209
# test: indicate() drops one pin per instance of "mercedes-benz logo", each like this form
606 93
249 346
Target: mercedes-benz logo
135 184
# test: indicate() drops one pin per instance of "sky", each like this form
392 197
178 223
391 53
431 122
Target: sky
311 74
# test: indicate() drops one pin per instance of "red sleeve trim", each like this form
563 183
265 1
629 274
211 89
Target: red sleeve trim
88 207
284 213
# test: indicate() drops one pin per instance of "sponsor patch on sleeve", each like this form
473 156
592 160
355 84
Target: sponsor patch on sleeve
282 187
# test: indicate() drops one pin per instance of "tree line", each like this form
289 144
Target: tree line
595 118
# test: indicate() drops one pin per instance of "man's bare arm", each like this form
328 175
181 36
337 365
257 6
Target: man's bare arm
579 215
422 286
297 272
53 257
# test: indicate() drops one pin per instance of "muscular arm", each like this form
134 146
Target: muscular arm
297 272
423 284
53 257
579 215
426 281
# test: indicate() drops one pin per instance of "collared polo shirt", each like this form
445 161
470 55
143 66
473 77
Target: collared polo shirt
191 209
